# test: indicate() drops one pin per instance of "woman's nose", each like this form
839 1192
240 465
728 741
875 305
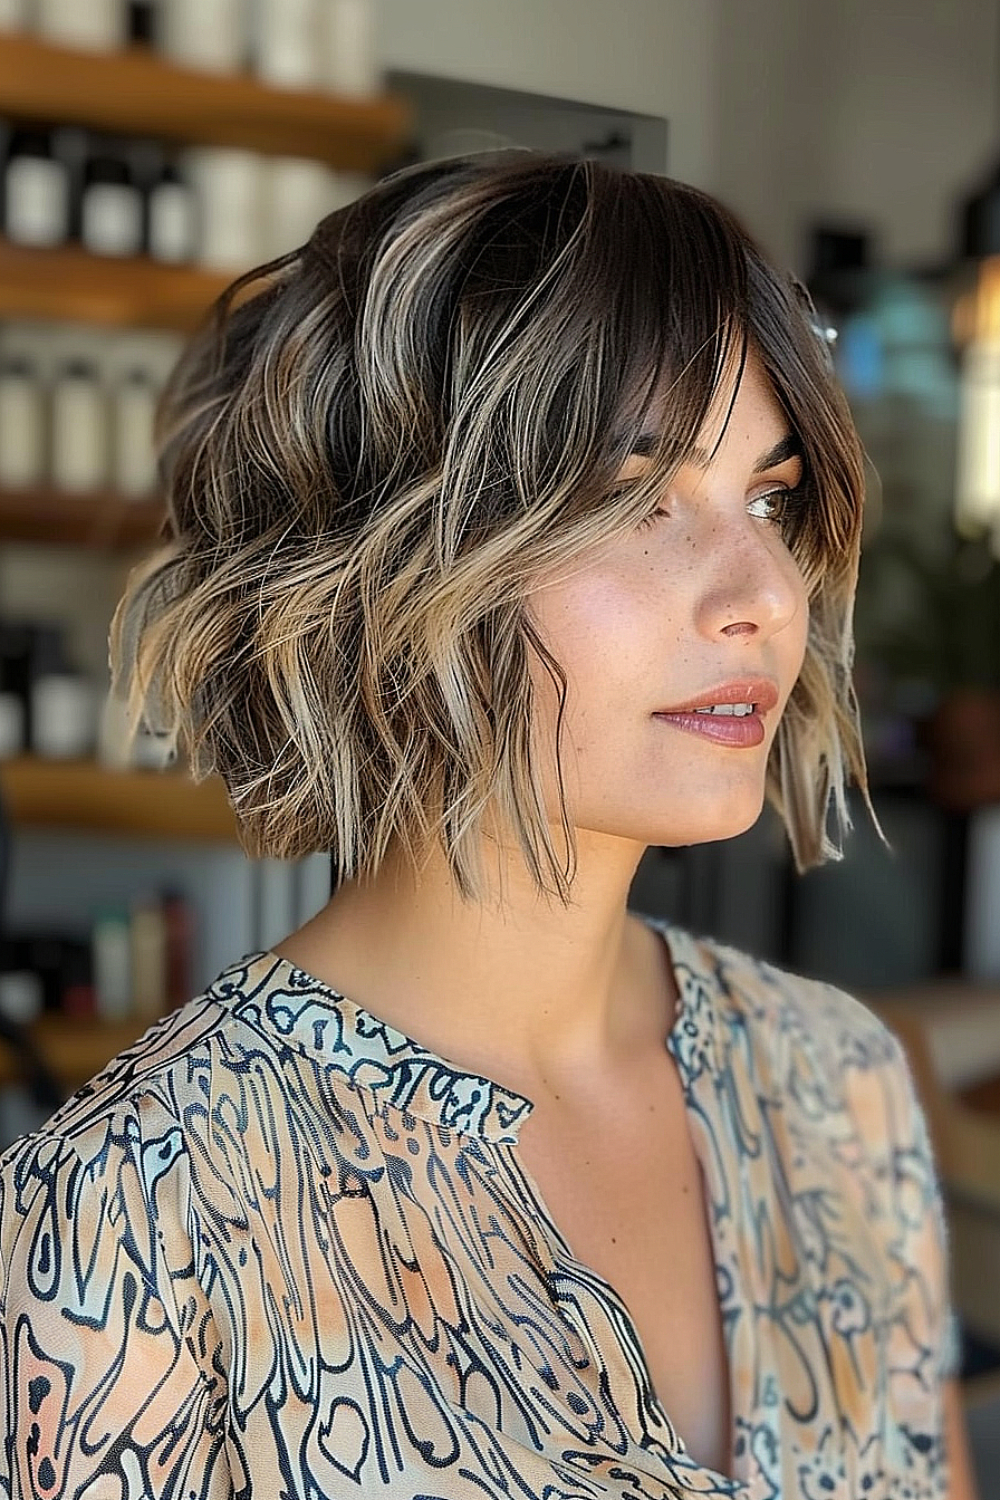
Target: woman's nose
754 587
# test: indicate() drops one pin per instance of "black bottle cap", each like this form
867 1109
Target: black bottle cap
146 158
980 220
49 652
172 174
17 364
141 27
106 168
78 368
32 141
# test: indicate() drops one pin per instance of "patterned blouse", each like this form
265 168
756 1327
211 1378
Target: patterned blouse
278 1248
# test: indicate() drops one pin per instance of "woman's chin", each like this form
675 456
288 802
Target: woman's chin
710 822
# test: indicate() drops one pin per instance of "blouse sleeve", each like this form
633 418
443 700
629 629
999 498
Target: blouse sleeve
101 1394
925 1345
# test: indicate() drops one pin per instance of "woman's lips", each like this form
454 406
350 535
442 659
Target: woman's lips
742 733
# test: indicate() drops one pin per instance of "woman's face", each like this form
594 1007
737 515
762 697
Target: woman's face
703 606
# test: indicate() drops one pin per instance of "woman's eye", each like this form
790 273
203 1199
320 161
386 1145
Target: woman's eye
653 516
774 505
781 506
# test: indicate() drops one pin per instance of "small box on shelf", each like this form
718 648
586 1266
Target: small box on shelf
81 1001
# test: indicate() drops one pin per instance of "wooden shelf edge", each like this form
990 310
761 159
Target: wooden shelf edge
137 804
140 92
103 521
72 285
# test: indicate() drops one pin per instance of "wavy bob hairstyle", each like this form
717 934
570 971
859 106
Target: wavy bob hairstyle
381 440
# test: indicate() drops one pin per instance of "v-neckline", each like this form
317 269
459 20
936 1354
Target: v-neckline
680 1035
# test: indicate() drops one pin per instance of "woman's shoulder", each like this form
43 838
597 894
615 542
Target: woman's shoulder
783 1012
156 1137
826 1059
155 1085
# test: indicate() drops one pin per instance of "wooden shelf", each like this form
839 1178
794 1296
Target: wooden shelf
140 804
71 285
100 521
73 1049
139 93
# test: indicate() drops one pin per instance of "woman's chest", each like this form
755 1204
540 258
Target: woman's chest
433 1257
628 1197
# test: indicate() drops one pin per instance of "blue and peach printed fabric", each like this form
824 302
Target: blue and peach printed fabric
277 1248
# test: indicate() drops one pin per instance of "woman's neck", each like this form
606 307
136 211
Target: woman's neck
529 993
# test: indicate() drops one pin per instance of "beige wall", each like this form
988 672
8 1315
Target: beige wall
655 57
857 110
861 110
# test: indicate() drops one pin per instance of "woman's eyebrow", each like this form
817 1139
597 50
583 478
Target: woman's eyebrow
790 446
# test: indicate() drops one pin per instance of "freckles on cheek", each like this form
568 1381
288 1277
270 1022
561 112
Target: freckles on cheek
584 615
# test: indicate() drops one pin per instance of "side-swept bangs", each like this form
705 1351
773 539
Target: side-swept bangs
381 442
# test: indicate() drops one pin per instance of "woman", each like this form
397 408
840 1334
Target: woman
514 529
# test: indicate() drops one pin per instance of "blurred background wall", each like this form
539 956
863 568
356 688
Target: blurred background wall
866 113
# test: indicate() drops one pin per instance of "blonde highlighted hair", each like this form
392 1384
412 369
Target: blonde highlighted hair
380 441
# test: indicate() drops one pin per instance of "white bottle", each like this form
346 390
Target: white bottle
79 429
133 455
207 34
148 960
228 186
21 996
111 209
172 218
22 425
287 43
96 25
297 194
350 49
63 716
14 15
111 946
977 481
36 191
13 728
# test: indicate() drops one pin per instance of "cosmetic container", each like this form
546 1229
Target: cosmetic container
349 48
21 996
171 217
62 703
94 25
17 642
296 194
228 187
212 35
23 437
63 712
148 958
12 725
287 37
111 205
111 948
133 457
36 191
79 429
178 917
14 15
